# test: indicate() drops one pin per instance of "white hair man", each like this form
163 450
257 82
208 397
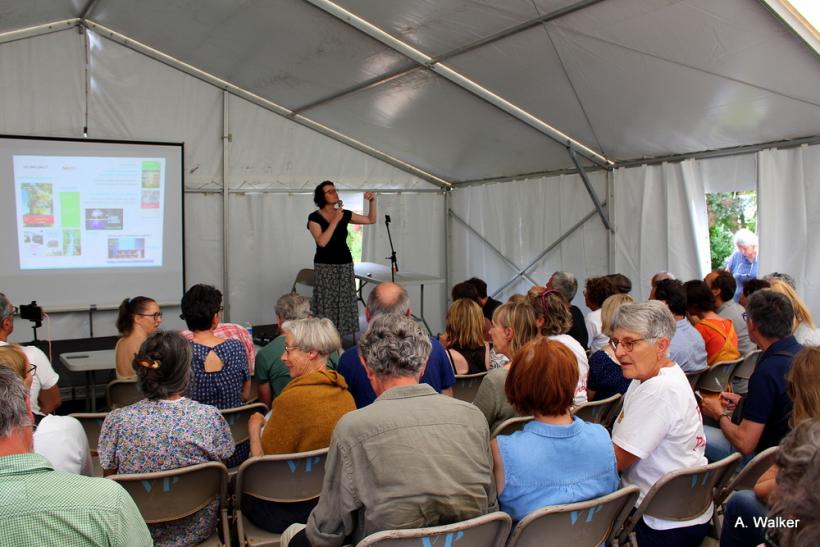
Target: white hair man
392 464
46 507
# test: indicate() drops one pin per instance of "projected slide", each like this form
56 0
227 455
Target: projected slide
89 212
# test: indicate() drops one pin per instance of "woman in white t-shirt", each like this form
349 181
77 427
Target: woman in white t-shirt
660 428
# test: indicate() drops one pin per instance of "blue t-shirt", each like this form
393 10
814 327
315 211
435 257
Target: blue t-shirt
548 464
742 270
438 374
687 348
768 400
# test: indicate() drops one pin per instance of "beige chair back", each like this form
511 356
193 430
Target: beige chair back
120 393
583 524
237 419
746 479
683 494
92 424
597 412
466 386
694 377
742 373
306 277
164 496
716 377
489 530
511 425
282 478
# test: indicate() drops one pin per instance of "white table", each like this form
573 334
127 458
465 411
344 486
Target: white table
88 362
370 272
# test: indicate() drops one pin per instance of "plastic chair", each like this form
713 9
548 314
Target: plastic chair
489 530
237 419
164 496
120 393
716 378
597 412
747 477
587 523
511 425
305 277
680 495
742 373
282 478
694 377
466 386
92 424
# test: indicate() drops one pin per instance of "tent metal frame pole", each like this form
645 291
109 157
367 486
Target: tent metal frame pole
304 192
39 30
590 190
545 252
227 137
506 260
458 79
447 243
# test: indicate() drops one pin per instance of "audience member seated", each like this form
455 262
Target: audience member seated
657 278
566 285
513 326
392 298
411 459
621 284
553 318
659 429
232 331
718 333
798 484
137 318
220 366
45 393
41 506
605 377
597 290
488 303
464 338
166 430
270 371
557 458
468 290
303 416
784 277
767 407
59 439
743 263
687 348
723 286
803 382
750 287
804 331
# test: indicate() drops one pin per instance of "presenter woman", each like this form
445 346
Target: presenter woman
334 293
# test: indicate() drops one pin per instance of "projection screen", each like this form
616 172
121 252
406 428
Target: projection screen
88 223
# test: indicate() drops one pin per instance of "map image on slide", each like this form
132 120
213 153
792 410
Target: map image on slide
89 211
126 248
103 219
37 204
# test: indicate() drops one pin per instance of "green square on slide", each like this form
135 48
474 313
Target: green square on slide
70 209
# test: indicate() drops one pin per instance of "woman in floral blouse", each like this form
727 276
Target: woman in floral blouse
166 430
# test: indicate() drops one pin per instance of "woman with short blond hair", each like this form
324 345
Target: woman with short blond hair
464 337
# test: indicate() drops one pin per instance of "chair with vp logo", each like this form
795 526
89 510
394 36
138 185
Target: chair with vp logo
485 531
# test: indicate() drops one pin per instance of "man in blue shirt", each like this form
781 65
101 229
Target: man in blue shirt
392 298
768 407
687 347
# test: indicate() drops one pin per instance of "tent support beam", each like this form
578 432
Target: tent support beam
459 80
261 102
388 76
227 138
590 190
506 260
302 191
522 272
39 30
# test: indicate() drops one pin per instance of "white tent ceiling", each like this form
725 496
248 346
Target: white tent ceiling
626 78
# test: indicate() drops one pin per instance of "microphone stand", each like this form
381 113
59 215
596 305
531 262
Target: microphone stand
394 264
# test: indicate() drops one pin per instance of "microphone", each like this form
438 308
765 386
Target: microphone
387 219
340 204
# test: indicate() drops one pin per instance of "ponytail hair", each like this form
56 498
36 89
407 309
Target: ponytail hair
127 309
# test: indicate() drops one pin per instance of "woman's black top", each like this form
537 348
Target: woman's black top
336 251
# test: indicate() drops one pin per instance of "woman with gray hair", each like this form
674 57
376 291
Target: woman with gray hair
304 414
659 429
166 430
743 264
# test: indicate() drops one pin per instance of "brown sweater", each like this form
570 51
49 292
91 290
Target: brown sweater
305 413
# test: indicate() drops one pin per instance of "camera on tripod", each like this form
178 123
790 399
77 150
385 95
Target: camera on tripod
32 312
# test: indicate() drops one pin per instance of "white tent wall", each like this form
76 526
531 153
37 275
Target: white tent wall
418 232
133 97
789 218
521 219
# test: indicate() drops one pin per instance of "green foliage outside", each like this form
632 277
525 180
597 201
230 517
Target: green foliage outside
354 241
728 212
